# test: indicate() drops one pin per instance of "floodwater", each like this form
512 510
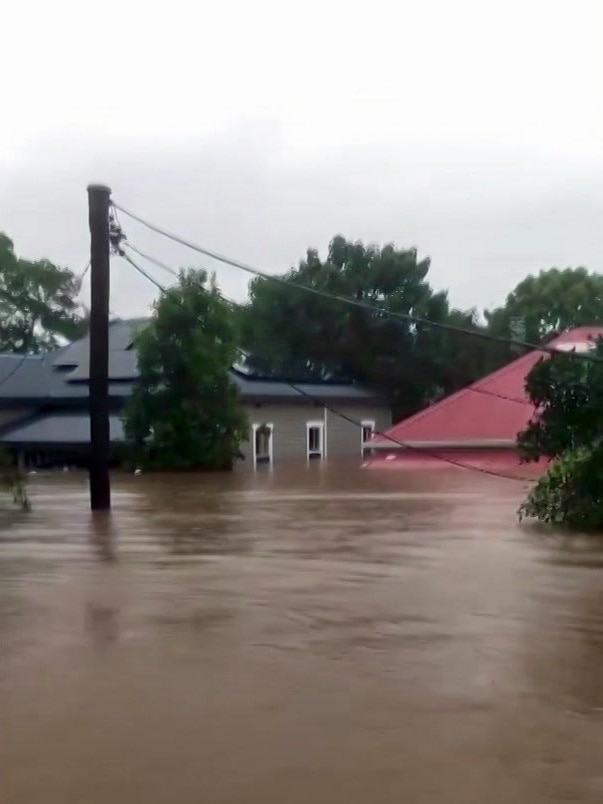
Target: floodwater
317 635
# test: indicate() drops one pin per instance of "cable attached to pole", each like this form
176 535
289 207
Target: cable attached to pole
406 317
173 272
152 259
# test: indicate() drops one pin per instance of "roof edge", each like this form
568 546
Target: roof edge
383 444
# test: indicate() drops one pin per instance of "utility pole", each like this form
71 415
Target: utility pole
100 440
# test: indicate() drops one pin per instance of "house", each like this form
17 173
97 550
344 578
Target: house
44 408
476 426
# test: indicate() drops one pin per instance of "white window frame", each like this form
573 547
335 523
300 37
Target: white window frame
364 444
320 426
254 428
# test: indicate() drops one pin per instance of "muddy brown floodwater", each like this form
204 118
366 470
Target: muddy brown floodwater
318 635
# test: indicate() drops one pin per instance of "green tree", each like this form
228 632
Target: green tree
185 412
291 333
567 392
38 305
549 303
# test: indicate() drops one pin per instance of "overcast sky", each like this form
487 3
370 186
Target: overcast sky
471 130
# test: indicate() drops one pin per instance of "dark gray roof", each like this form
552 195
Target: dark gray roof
122 366
121 339
36 379
22 376
59 428
64 374
254 388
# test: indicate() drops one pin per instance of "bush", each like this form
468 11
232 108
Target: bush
567 394
570 494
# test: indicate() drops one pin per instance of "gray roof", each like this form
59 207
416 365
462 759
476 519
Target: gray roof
64 374
59 428
253 388
121 339
22 376
36 379
122 366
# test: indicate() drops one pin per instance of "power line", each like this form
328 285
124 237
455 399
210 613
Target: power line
407 317
15 369
405 445
154 260
141 271
170 270
80 279
161 288
476 390
160 264
350 419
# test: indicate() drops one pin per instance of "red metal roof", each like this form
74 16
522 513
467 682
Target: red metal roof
476 414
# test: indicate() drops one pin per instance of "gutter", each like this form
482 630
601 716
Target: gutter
471 443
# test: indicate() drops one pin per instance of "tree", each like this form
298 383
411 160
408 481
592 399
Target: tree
291 333
185 411
38 304
567 392
549 303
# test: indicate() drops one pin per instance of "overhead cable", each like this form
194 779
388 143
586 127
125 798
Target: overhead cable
407 317
173 272
152 259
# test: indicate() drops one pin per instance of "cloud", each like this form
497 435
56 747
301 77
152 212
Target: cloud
472 131
486 219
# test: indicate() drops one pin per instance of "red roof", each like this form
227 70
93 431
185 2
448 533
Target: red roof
500 462
476 416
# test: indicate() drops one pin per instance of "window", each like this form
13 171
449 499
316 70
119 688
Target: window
315 442
262 443
367 430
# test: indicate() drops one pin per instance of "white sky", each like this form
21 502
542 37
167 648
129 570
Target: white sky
471 130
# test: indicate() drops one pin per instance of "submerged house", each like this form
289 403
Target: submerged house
476 426
44 408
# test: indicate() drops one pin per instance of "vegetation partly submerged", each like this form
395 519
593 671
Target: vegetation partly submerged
567 392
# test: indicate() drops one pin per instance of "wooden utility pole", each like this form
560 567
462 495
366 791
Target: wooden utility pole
100 439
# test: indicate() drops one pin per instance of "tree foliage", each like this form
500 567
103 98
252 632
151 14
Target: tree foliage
288 332
567 392
185 412
38 303
549 303
570 493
